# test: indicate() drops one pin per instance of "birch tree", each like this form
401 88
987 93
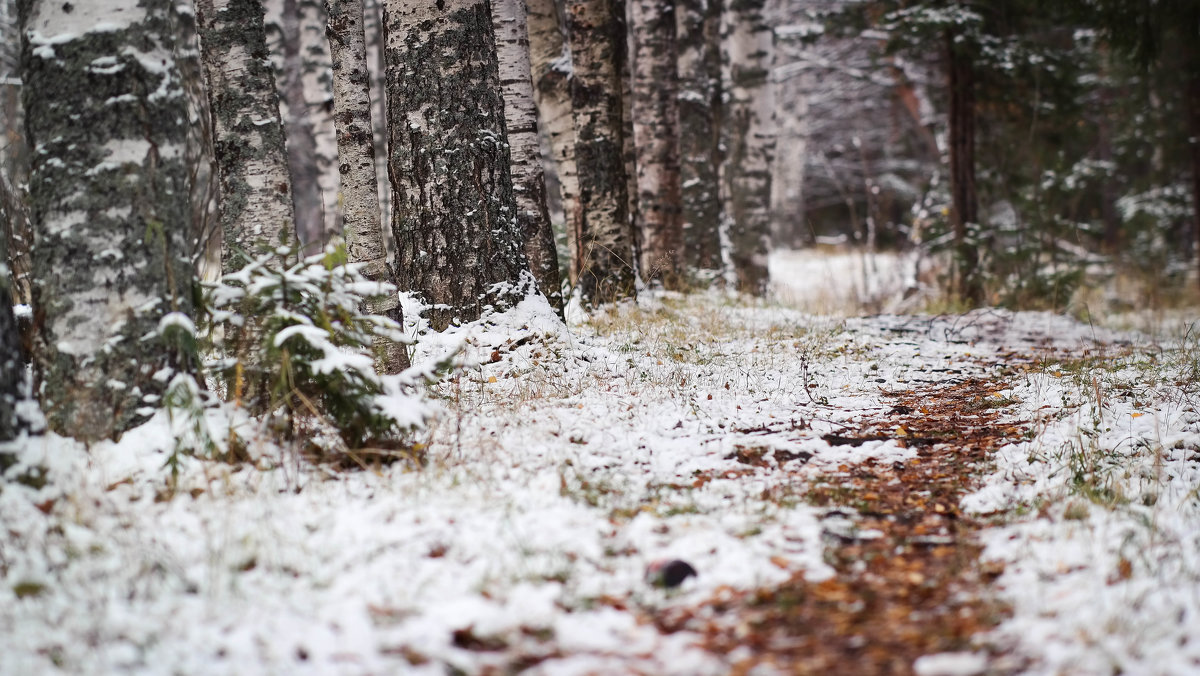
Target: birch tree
112 275
255 207
656 136
529 180
457 244
604 247
698 24
550 63
358 197
750 142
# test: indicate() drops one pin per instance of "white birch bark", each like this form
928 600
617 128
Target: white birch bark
749 129
358 198
520 112
698 24
550 63
255 184
107 121
605 247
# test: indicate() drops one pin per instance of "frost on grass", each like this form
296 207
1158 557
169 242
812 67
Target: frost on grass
564 461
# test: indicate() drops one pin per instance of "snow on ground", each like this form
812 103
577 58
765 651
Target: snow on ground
570 459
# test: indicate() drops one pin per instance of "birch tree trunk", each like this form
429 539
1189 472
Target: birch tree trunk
359 195
529 180
550 61
302 116
457 243
107 117
604 247
255 208
698 24
746 170
656 136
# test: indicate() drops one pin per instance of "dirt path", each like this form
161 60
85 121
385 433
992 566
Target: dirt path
909 581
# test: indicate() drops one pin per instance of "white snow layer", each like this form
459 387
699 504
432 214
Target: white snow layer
565 462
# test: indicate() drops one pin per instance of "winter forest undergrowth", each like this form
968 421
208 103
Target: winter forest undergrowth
599 337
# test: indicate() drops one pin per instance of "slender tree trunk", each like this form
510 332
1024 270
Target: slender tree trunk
550 60
109 200
373 27
255 185
300 130
605 243
359 197
529 180
656 135
454 217
12 365
1193 114
746 171
969 287
698 24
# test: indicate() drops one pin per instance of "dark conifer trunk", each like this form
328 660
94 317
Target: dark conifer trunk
961 85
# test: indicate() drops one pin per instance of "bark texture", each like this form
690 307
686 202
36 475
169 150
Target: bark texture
700 120
358 198
604 247
964 203
107 117
656 136
255 185
550 63
457 244
529 180
12 365
749 129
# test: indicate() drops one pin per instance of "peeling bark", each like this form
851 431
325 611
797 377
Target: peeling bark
255 185
107 118
359 196
457 244
698 24
656 136
749 128
604 247
529 180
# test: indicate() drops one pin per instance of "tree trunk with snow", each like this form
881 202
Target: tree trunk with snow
964 204
550 63
749 129
656 136
605 244
359 195
107 115
457 244
529 180
255 208
698 23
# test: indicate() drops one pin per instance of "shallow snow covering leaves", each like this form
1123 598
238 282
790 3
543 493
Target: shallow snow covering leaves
565 461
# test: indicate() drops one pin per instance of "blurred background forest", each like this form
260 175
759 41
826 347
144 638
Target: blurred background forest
1083 118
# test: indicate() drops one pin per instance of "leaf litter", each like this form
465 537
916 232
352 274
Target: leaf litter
866 495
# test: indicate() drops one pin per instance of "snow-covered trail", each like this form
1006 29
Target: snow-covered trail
556 473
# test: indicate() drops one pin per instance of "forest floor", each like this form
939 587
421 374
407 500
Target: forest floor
993 492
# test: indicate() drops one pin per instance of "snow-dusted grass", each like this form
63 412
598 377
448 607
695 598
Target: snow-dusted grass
565 460
1107 578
